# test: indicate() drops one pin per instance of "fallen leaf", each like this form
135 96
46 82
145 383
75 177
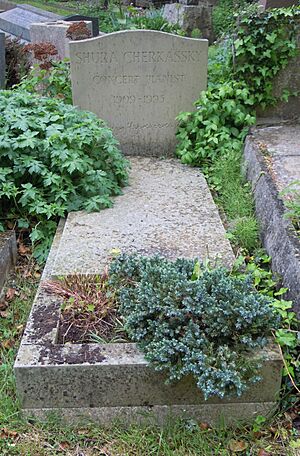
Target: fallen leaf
64 445
3 305
204 426
263 453
237 446
7 433
8 343
4 313
9 295
23 250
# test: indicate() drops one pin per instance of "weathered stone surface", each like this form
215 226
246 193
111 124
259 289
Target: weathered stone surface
117 375
268 4
17 21
5 6
138 82
105 382
8 255
55 33
93 20
190 17
272 157
2 60
166 210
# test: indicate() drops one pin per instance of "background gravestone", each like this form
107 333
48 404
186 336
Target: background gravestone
138 82
56 34
278 3
2 60
93 20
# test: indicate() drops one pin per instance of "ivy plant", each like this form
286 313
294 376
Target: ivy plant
54 159
264 45
189 320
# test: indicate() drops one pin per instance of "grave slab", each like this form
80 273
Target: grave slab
272 158
138 82
167 210
17 21
113 381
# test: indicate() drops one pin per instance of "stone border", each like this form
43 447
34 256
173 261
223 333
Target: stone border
277 233
113 381
8 255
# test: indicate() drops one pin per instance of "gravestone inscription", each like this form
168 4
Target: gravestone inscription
138 82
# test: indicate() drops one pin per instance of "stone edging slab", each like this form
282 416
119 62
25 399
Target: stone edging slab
277 232
113 381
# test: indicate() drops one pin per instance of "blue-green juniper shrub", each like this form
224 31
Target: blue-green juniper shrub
203 324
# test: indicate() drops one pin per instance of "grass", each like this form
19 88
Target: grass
59 8
178 437
232 193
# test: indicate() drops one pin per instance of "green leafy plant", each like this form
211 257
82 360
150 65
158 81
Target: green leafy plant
264 45
189 320
226 14
217 126
54 159
53 82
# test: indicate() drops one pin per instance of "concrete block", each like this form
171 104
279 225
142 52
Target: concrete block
8 255
55 33
17 21
138 81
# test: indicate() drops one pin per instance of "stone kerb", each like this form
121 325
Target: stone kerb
138 81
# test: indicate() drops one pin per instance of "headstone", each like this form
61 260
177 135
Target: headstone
55 33
138 82
17 21
191 15
2 60
267 4
5 6
93 20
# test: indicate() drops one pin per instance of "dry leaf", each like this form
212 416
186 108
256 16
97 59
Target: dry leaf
204 426
64 445
23 250
9 295
6 433
8 343
237 446
3 305
263 453
4 313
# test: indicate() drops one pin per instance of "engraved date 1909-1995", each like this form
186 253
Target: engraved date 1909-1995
131 99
